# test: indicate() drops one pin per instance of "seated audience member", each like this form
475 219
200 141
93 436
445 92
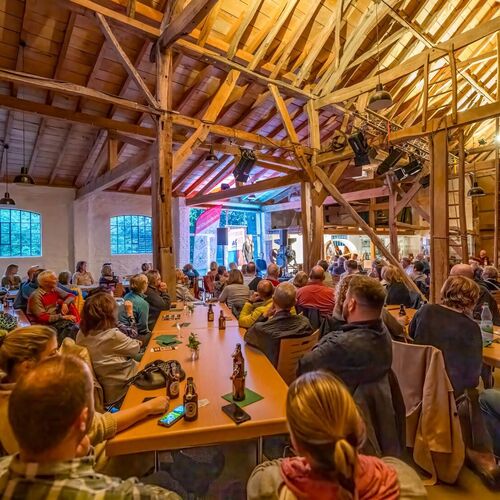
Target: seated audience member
49 305
483 258
108 279
484 295
261 264
145 267
490 278
376 270
327 430
257 305
407 265
397 291
82 277
181 290
421 258
328 280
273 274
489 402
300 279
190 272
449 327
351 267
316 295
111 351
477 270
360 351
20 352
11 280
282 324
419 278
213 270
126 320
336 321
235 293
220 280
339 270
63 282
156 296
138 286
232 266
251 278
51 414
27 287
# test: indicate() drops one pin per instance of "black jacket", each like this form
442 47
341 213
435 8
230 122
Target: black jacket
397 294
267 335
357 353
158 302
457 336
253 284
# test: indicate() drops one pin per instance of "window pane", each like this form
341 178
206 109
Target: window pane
130 234
20 233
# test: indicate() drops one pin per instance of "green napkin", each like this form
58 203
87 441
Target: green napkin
167 340
250 397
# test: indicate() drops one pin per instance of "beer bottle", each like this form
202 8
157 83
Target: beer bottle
222 321
210 313
173 381
190 401
402 311
238 376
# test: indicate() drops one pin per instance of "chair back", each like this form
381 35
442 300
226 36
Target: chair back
291 350
312 314
496 295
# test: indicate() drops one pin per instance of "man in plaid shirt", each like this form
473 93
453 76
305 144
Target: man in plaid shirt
50 410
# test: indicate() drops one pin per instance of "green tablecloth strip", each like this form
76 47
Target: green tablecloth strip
167 340
250 397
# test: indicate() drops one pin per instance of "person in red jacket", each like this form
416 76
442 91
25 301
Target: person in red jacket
316 295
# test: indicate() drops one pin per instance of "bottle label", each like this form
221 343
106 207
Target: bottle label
174 389
190 409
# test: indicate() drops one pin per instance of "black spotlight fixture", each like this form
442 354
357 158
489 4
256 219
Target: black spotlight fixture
6 201
245 164
211 157
413 168
394 156
360 147
381 99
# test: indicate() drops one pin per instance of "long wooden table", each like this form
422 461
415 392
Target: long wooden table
211 373
491 354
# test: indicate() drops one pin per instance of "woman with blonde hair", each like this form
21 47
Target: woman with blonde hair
181 290
326 432
397 292
20 351
138 286
235 292
11 280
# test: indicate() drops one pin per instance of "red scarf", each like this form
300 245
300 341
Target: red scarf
374 479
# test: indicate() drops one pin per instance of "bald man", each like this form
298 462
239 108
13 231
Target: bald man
316 295
484 295
273 274
282 324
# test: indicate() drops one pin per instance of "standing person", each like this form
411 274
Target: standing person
108 279
316 295
248 248
235 292
156 296
82 277
50 410
111 351
11 280
138 286
327 432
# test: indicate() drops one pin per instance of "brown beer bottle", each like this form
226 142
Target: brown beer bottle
190 401
210 313
173 381
222 321
238 376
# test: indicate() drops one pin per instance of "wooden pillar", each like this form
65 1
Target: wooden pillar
496 234
440 248
317 235
306 203
393 229
161 177
372 217
461 196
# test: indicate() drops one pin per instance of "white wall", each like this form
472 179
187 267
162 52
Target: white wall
56 208
92 234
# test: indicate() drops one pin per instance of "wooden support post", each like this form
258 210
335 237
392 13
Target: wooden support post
372 217
317 234
306 203
337 196
497 196
393 230
112 151
453 67
440 248
161 176
461 196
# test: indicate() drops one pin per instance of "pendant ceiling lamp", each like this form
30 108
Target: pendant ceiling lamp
476 190
381 99
6 201
211 158
23 179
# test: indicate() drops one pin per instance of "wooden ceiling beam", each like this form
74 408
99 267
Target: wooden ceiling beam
218 177
271 183
412 64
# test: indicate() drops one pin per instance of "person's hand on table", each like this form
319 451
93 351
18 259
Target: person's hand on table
64 309
69 317
157 405
129 308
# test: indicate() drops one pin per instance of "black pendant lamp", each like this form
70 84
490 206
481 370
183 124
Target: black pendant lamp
475 191
6 201
381 99
23 179
211 158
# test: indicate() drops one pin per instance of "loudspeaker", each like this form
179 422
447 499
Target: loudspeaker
222 235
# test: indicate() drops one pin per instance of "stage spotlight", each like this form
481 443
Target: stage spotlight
394 156
245 165
360 147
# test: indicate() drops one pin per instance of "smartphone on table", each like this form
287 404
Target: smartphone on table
235 413
172 416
